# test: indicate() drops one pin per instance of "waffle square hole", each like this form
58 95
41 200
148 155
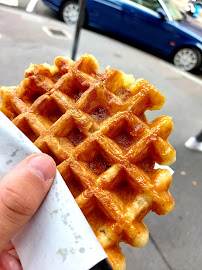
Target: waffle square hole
74 185
49 108
76 136
96 104
125 134
95 159
122 191
24 126
116 83
71 131
123 94
99 114
98 220
99 164
30 97
46 149
77 90
147 164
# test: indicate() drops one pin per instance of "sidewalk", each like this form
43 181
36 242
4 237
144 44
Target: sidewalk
175 239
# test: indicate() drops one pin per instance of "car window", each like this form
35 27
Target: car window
151 4
174 11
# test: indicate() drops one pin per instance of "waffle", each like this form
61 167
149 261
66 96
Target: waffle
94 126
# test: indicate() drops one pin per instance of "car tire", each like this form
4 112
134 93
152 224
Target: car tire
69 12
187 59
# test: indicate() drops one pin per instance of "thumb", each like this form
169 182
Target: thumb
22 191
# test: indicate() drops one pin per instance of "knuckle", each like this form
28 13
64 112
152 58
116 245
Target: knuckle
16 205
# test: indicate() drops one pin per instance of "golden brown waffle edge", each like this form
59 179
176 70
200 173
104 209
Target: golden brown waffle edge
94 126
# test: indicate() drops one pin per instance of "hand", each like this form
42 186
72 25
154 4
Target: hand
22 191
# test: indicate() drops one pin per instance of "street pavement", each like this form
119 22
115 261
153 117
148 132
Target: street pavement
38 7
175 239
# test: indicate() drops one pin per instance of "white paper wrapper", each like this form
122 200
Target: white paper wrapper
58 236
157 166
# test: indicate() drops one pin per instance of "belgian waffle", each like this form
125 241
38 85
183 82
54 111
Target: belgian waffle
94 126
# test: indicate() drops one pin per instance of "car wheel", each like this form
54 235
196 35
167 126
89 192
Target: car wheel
70 12
187 59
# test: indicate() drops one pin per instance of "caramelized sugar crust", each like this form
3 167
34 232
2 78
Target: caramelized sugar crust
94 127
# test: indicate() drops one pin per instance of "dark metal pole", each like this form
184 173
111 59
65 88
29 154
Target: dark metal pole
78 27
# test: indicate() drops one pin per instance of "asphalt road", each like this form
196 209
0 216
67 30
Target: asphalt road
41 9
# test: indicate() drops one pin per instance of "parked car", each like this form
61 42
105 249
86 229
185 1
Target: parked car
156 24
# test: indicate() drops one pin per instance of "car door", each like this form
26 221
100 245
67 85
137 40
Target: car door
144 24
105 14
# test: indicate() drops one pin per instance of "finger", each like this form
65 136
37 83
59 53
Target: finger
11 250
22 191
13 253
8 262
9 246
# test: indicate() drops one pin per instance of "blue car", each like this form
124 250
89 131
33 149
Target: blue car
156 24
